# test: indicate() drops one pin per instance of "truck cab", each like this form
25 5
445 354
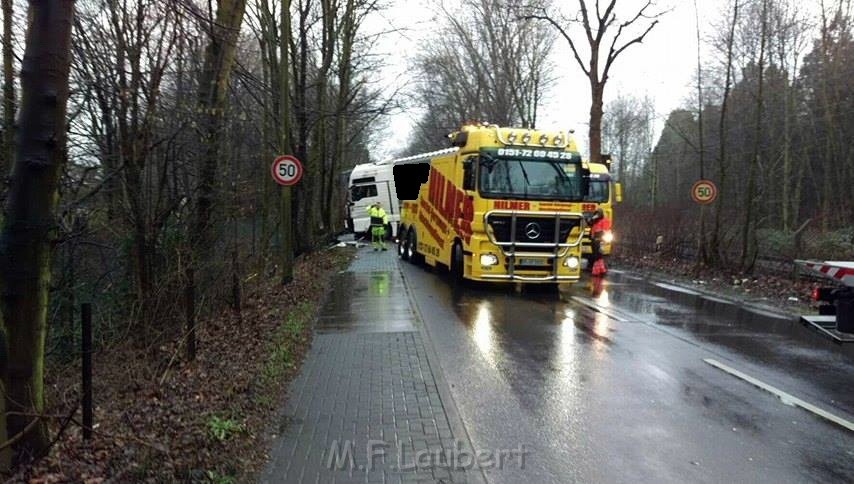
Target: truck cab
603 193
505 206
371 183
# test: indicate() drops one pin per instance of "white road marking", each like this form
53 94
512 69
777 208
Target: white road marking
746 306
671 287
599 309
784 397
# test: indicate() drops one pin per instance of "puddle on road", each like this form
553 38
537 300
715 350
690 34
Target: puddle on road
364 302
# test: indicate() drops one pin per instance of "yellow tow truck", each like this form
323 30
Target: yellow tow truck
604 193
505 206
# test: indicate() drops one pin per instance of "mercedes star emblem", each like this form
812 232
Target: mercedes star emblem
532 230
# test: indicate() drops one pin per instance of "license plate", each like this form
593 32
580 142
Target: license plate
533 262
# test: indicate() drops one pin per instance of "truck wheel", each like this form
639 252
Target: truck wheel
412 247
403 245
457 262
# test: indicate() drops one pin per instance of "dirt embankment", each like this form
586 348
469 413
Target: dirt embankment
160 419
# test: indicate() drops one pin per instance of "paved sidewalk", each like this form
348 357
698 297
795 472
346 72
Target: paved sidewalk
366 406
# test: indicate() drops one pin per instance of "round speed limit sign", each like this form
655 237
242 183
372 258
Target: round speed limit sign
287 170
704 192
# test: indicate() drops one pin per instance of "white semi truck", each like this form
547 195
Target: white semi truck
375 182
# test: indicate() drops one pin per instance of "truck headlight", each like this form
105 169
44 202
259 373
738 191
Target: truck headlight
608 237
571 262
488 260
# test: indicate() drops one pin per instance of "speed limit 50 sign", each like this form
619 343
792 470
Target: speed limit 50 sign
704 192
287 170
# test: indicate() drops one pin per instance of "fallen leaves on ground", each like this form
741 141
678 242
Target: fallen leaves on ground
161 419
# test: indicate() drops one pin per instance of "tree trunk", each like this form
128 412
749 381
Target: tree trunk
143 251
286 211
785 203
347 38
715 242
800 163
7 157
319 152
25 241
5 454
213 91
265 153
596 108
653 195
301 206
701 235
750 196
271 138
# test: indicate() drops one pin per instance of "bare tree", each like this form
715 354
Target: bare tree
25 241
625 128
491 82
701 234
7 153
748 227
790 40
598 27
7 156
123 51
729 42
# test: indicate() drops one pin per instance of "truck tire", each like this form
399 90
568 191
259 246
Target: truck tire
845 315
414 256
457 262
403 244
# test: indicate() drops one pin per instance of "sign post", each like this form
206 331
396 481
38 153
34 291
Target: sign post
704 192
287 170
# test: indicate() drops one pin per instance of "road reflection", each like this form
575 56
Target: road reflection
594 384
482 332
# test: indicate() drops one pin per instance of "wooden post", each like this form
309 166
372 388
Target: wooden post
190 307
235 283
86 318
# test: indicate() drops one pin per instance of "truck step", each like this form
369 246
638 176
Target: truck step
826 325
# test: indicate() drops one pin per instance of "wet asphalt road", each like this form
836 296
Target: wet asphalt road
608 383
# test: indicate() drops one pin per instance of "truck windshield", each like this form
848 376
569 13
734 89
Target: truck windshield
532 179
359 192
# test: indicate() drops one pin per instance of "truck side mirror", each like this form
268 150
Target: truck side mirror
469 174
585 182
618 192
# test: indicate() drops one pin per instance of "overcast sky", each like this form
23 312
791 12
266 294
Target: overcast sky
662 67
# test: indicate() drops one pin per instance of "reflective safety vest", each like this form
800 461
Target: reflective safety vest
378 216
601 225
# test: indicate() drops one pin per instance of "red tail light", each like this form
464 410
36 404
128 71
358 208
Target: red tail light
824 294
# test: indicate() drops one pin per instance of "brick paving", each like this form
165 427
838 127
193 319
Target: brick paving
369 261
366 406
